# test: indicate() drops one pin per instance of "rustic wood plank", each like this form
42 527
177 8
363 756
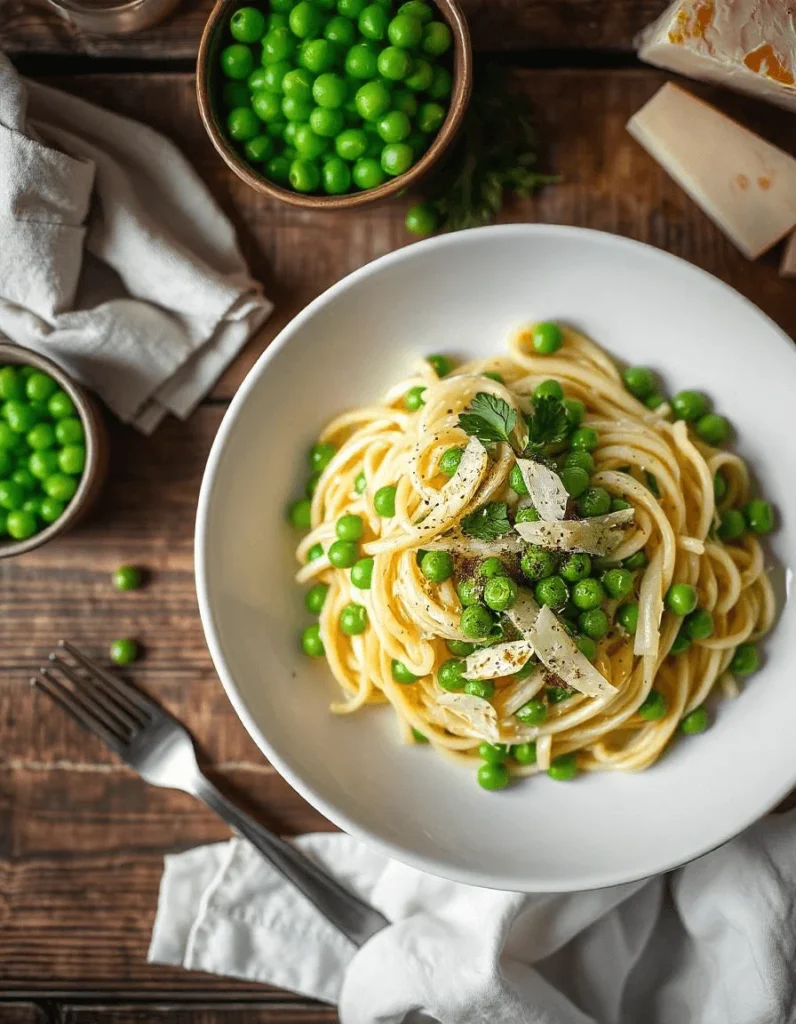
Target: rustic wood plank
609 183
22 1013
495 24
229 1013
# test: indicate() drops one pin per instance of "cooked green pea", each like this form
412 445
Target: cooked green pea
12 384
394 64
732 525
278 169
547 338
335 175
20 416
587 594
421 77
500 593
396 158
469 591
320 455
638 560
576 567
384 502
695 722
304 20
483 688
699 625
575 480
681 598
575 410
422 219
418 9
8 439
492 753
360 483
548 389
247 25
60 486
533 712
461 648
362 574
304 175
126 577
343 553
71 459
354 619
476 622
759 516
372 22
492 776
351 8
69 431
653 707
449 461
237 61
50 509
619 504
413 399
437 566
719 487
497 377
311 642
537 564
745 660
680 644
315 598
41 436
349 527
316 551
340 31
312 484
258 149
655 400
300 514
401 673
587 647
329 91
394 127
595 502
689 405
563 768
317 55
627 616
517 482
526 514
450 674
618 583
585 439
524 753
25 479
713 429
20 524
552 592
372 100
405 31
43 464
491 567
430 117
639 381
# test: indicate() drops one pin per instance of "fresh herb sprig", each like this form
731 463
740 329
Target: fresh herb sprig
488 418
488 522
548 427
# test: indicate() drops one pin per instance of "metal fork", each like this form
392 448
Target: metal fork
161 750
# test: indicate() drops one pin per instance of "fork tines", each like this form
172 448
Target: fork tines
98 701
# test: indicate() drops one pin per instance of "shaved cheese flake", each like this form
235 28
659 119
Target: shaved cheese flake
650 608
523 613
545 489
512 697
474 714
692 544
459 491
461 544
544 749
557 651
500 660
597 536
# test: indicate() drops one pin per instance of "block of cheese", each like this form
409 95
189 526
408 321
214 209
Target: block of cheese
743 183
748 45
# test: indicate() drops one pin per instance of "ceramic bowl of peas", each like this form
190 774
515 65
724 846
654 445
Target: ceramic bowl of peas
53 451
333 103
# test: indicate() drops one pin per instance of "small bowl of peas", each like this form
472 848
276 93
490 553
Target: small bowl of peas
331 104
53 451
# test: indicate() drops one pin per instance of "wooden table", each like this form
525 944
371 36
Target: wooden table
82 839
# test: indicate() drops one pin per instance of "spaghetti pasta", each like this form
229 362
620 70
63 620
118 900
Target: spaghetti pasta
411 627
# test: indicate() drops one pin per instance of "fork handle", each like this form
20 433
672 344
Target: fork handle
349 914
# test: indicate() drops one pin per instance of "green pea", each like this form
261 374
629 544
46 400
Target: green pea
449 461
41 436
12 495
278 169
43 464
638 560
699 625
296 111
759 516
123 652
413 399
563 768
653 706
575 480
491 567
72 459
60 486
372 100
258 149
304 20
492 753
537 564
300 514
315 598
329 91
349 527
450 675
372 22
384 501
494 376
354 619
526 514
418 9
247 25
713 429
547 338
394 127
317 55
437 566
619 504
33 506
12 384
261 81
552 592
394 64
500 593
732 525
689 405
25 479
311 642
362 574
595 502
548 389
618 583
493 776
336 176
476 622
681 598
587 647
243 124
304 175
627 616
340 31
351 144
421 219
351 8
401 673
8 439
639 381
360 483
524 753
19 416
237 61
421 77
396 158
695 722
575 410
69 431
517 481
585 439
316 551
594 623
361 62
312 484
20 524
745 660
430 117
469 591
655 400
534 712
126 577
320 455
680 644
587 594
719 487
343 553
461 648
50 509
267 106
437 38
576 567
483 688
418 736
405 31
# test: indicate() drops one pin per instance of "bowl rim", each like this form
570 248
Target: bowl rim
589 878
459 100
11 353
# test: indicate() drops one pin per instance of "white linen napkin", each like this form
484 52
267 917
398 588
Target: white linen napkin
712 943
115 259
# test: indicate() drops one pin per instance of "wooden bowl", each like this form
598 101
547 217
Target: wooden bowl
208 77
97 450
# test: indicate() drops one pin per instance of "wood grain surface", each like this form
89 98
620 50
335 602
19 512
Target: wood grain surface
82 839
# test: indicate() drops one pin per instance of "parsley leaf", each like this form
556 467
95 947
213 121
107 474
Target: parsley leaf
489 522
488 418
548 427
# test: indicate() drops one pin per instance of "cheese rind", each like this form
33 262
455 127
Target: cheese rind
744 184
747 45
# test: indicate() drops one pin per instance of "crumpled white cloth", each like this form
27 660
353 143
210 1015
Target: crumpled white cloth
712 943
115 260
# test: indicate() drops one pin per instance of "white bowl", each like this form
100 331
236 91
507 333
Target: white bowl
462 294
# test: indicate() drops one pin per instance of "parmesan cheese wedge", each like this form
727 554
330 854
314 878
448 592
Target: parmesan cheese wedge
744 184
748 45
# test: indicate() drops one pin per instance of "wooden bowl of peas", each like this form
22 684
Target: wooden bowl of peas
330 104
53 451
